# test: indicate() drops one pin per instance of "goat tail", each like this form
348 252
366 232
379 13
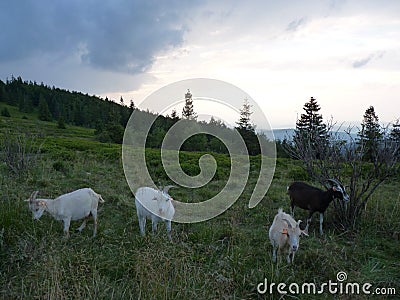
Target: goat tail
101 200
280 210
98 196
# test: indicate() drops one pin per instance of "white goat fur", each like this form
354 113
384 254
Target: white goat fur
73 206
155 205
284 234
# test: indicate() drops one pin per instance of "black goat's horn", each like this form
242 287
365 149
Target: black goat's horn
335 182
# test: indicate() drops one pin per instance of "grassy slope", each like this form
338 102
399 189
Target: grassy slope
223 258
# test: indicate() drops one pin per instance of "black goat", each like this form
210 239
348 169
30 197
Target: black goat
314 199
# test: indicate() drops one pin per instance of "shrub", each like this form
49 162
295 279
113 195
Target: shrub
298 173
5 112
61 123
114 133
20 152
60 166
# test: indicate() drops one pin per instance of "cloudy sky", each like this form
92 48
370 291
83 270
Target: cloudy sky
346 54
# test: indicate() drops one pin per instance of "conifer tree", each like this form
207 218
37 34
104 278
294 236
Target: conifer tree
311 132
311 123
370 134
174 115
132 105
395 136
25 104
187 111
247 130
244 119
395 132
44 112
61 122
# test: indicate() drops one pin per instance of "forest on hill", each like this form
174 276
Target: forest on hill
109 118
54 103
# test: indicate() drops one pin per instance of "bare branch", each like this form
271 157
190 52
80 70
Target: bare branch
344 157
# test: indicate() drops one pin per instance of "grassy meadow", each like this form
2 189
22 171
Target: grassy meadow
223 258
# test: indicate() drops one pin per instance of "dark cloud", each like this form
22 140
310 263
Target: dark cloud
296 24
359 63
116 35
362 62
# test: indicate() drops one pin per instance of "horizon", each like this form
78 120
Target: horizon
337 124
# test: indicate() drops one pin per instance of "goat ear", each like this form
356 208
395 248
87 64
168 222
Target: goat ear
42 203
304 232
284 231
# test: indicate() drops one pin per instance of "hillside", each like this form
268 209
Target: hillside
29 100
223 258
288 133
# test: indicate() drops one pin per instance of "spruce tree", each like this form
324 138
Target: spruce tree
311 132
247 130
311 124
2 92
370 134
187 111
174 115
132 105
395 136
395 132
61 122
44 112
244 119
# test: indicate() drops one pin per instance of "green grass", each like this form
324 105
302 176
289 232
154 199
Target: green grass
223 258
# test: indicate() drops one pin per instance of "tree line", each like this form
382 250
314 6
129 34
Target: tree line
311 129
363 162
109 118
55 104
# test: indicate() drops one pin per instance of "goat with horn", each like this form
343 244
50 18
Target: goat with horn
314 199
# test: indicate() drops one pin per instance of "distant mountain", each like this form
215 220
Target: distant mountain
281 134
288 133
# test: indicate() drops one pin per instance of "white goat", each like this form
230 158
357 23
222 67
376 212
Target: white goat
284 234
76 205
155 205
